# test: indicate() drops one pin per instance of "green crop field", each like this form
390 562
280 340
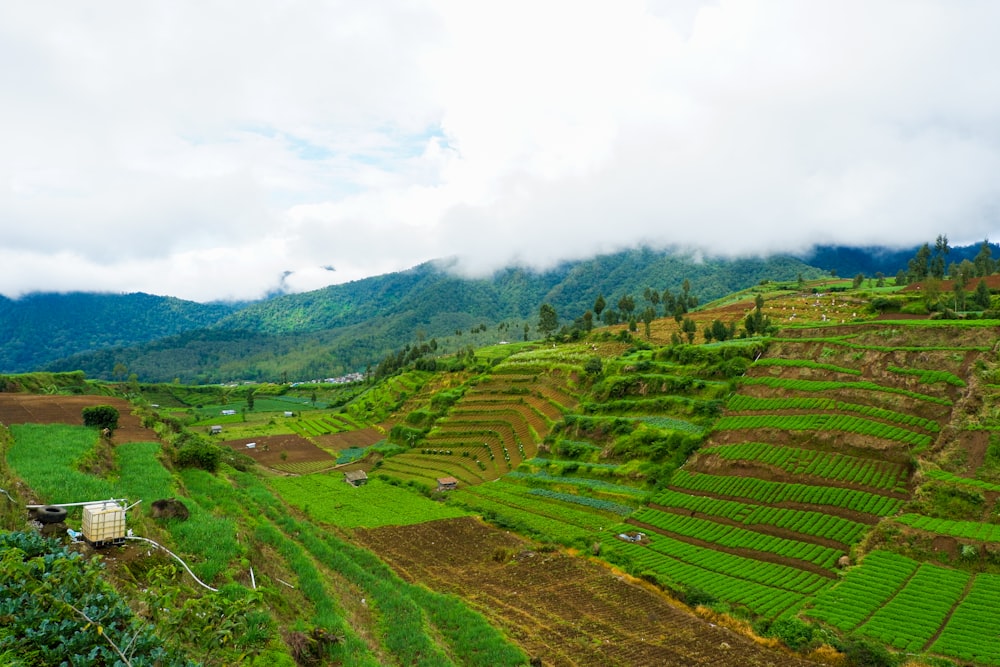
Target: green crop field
328 499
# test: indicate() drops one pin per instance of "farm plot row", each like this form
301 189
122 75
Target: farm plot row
864 590
303 467
499 440
905 603
972 530
744 403
826 422
926 376
734 537
792 384
593 516
597 486
514 515
804 363
971 632
916 612
765 600
773 575
767 492
829 465
816 524
528 424
461 467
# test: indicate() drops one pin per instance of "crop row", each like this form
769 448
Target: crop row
304 467
586 501
831 385
817 524
945 476
805 363
863 590
928 376
830 465
915 614
741 402
767 601
767 492
761 572
671 423
514 517
589 517
584 482
734 537
972 530
825 422
971 632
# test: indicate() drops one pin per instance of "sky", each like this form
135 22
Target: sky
229 150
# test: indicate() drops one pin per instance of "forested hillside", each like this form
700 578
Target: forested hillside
40 328
346 328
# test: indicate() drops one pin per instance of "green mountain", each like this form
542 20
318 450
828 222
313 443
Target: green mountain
40 328
345 328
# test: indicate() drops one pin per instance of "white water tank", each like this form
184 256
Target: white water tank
103 523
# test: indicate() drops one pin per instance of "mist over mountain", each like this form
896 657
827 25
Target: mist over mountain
346 327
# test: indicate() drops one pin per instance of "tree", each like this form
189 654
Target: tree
648 316
250 398
102 417
879 279
626 304
599 305
981 297
690 328
858 279
984 263
757 323
548 320
919 265
959 292
669 303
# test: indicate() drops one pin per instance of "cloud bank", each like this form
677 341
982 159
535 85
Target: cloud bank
220 150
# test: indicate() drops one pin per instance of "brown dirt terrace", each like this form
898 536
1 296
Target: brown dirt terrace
46 409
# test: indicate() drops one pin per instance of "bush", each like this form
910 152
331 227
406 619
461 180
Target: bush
864 653
197 452
793 633
101 416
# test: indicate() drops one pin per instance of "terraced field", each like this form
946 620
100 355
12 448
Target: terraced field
493 428
819 445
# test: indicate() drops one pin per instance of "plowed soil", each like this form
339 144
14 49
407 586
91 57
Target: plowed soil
272 450
564 610
54 409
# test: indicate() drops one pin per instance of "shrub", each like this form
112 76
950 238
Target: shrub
864 653
101 416
197 452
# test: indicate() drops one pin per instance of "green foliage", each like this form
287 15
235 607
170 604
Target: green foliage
792 632
863 653
196 451
55 604
101 417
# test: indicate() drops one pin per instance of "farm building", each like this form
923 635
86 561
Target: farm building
447 484
215 430
356 477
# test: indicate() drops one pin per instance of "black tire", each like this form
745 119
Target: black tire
50 514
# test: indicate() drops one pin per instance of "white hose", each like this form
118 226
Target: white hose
214 590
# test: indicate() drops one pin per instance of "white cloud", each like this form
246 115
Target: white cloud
204 149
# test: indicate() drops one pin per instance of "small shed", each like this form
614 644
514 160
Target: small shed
215 430
356 477
447 484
